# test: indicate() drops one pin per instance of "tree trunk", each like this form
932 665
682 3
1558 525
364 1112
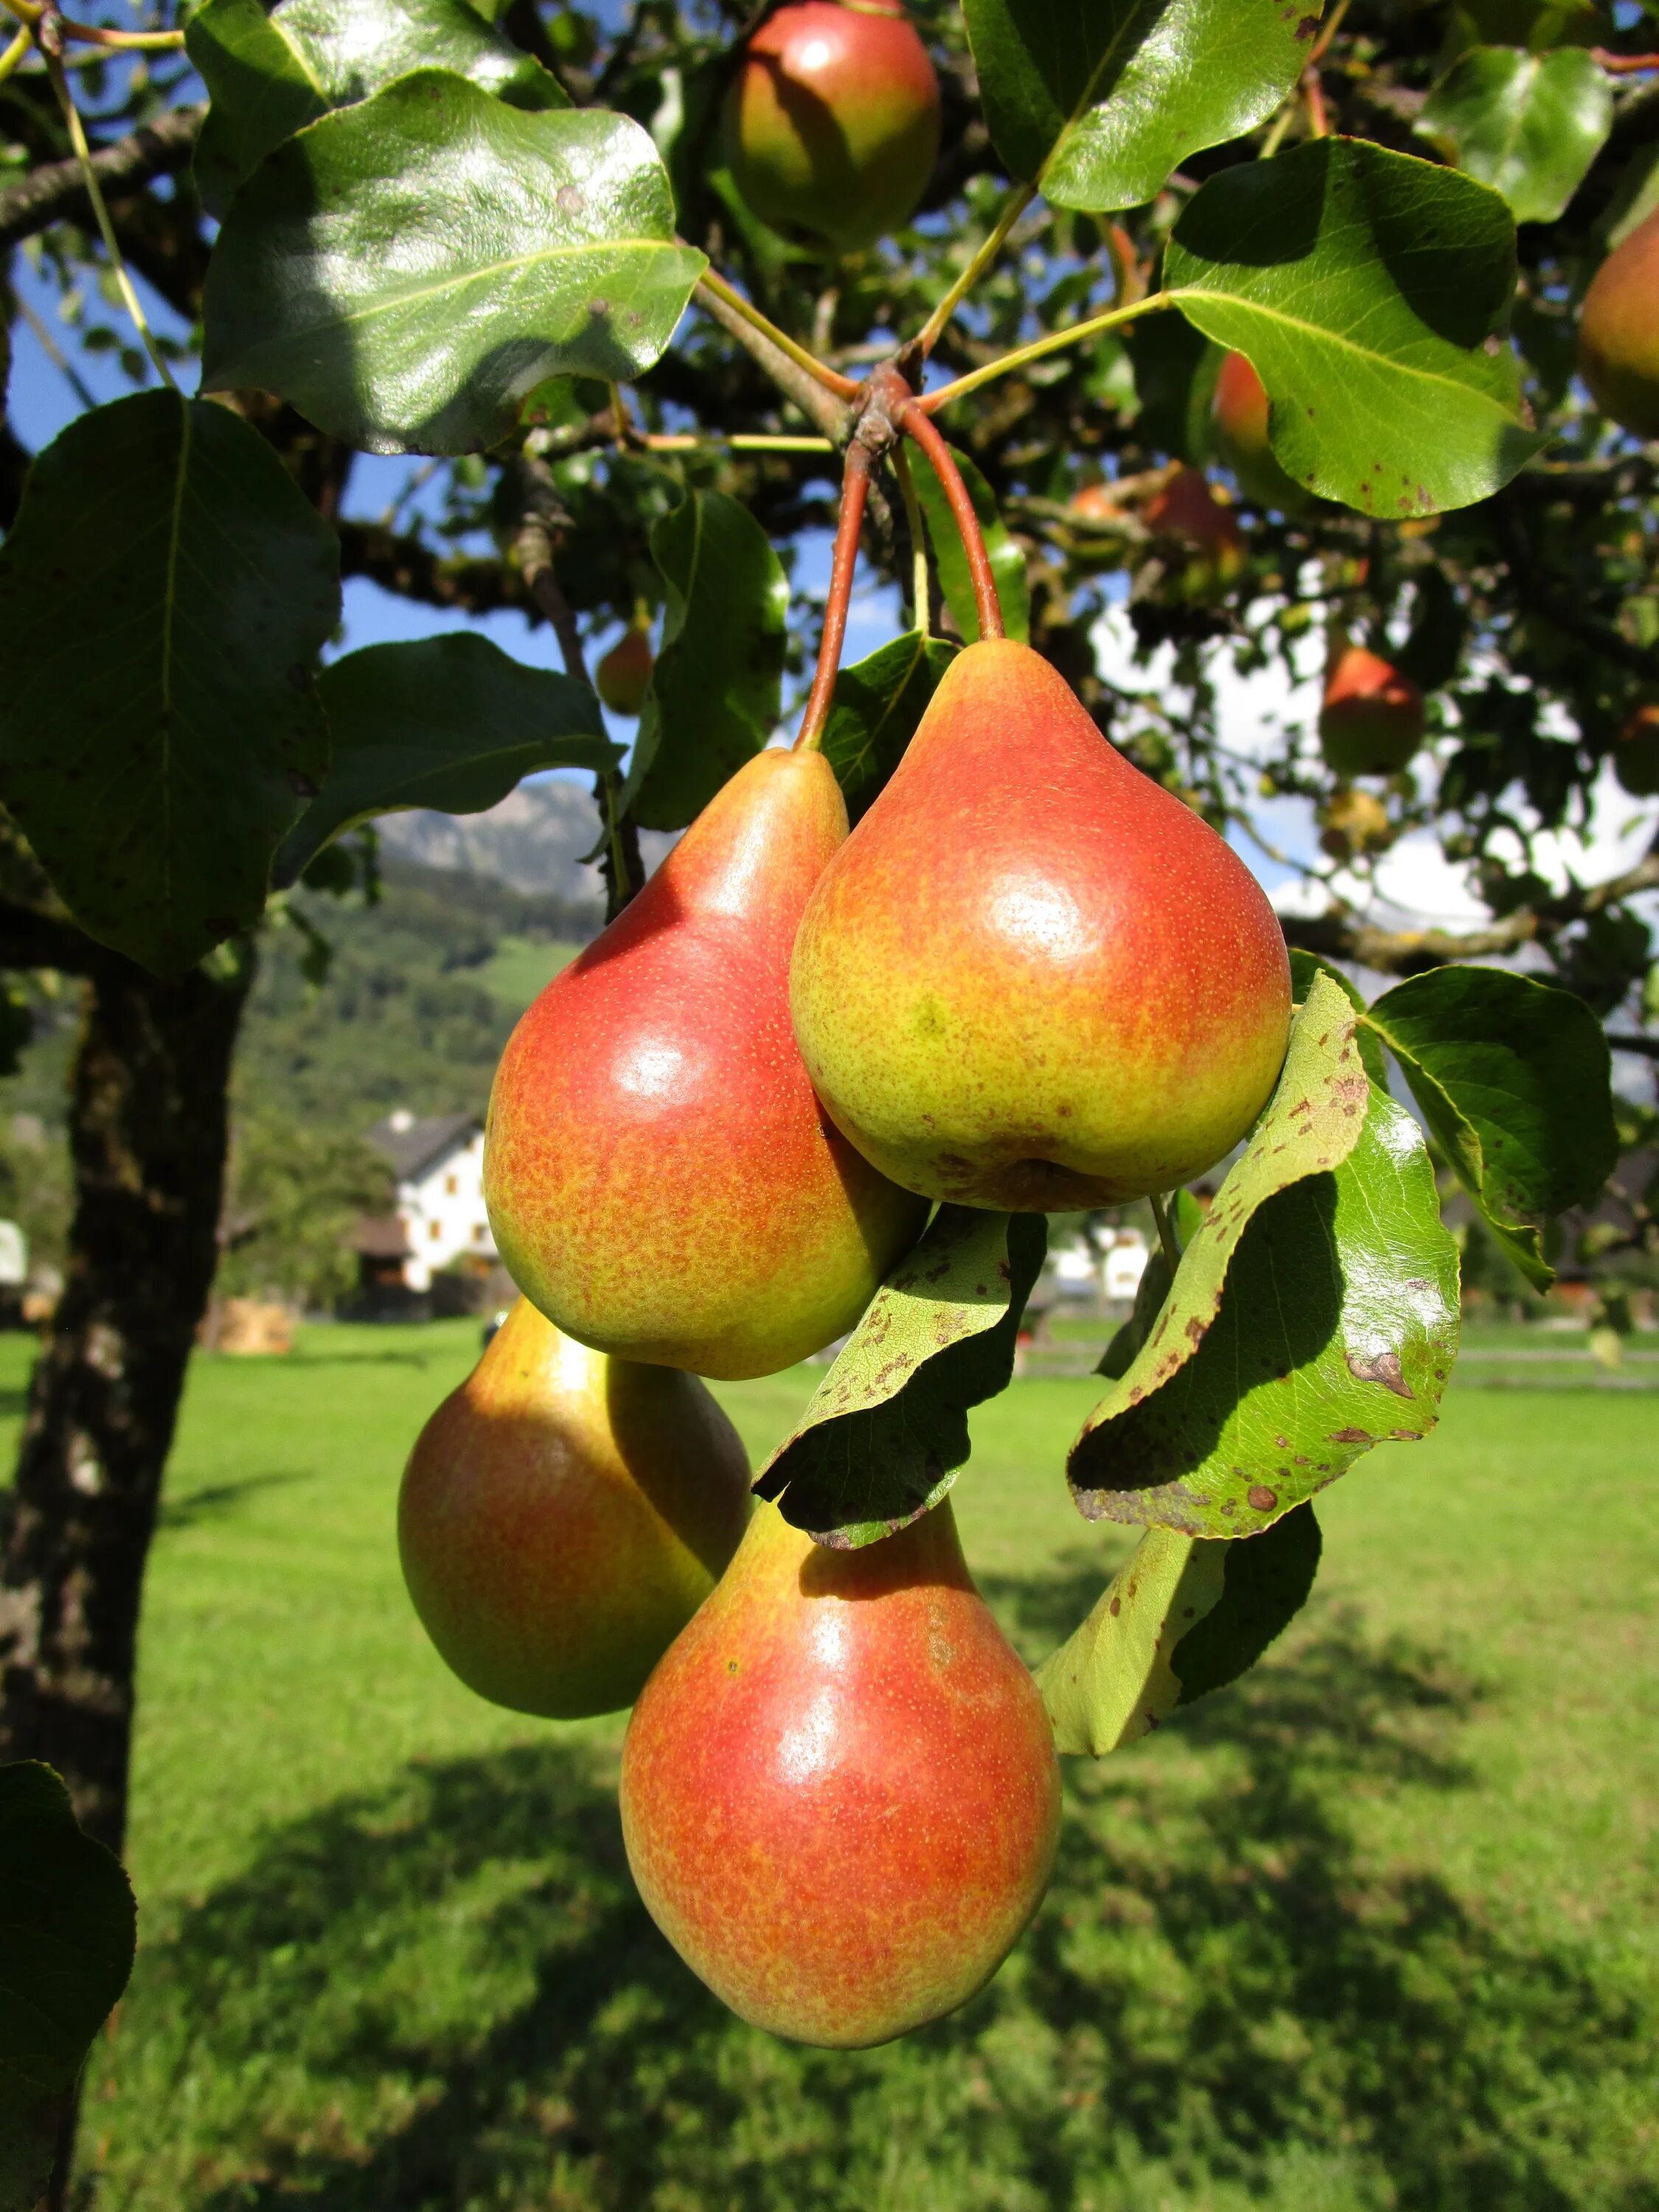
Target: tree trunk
147 1137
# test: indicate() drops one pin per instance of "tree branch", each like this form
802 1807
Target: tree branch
404 565
54 193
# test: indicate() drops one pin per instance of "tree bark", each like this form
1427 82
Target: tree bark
148 1135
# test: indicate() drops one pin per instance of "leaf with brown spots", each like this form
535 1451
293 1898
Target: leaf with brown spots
1184 1617
1337 1327
887 1428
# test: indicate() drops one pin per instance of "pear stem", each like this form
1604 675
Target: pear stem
830 379
855 490
934 328
1075 334
916 424
1166 1236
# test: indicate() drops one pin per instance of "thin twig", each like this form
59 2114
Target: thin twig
830 379
1076 335
106 229
934 326
52 192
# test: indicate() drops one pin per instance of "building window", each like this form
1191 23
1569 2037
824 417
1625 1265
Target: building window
478 1233
436 1232
452 1184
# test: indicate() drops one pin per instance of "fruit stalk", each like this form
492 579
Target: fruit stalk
915 424
855 491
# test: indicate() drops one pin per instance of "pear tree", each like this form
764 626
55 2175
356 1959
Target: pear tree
1216 340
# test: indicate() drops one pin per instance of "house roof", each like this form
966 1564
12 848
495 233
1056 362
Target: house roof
411 1144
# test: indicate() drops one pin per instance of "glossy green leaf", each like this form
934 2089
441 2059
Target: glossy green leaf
887 1428
164 593
1097 105
1184 1616
1007 561
874 712
1513 1077
1336 1330
1527 125
270 74
1311 1122
67 1927
407 271
1305 966
717 688
1364 285
451 723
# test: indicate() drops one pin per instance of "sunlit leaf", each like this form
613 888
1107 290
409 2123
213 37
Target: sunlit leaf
1527 125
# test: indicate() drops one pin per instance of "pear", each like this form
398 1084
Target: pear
840 1796
1636 757
662 1183
623 677
831 121
1240 411
1371 720
1619 332
1031 979
562 1516
1186 517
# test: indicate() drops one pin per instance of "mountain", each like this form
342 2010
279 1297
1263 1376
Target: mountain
534 840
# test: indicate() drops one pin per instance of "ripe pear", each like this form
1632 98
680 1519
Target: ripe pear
1240 411
1186 513
1619 332
1371 720
661 1181
622 677
562 1516
1635 758
1031 979
840 1795
831 121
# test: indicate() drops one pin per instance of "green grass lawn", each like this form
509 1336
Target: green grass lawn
1378 1927
520 967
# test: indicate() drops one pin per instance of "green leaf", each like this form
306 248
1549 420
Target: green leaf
406 271
67 1927
1364 285
874 711
1097 105
1336 1330
717 688
1305 966
1185 1615
269 74
1527 125
887 1428
1513 1077
163 595
1311 1122
1007 561
451 723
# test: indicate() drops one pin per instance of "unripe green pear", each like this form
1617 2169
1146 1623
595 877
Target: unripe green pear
1636 757
831 121
1032 979
840 1795
1371 722
562 1516
1619 332
662 1182
1240 411
623 677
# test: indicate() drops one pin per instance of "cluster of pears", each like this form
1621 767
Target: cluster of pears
1030 979
831 125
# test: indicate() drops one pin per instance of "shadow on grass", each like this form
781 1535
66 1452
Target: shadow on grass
217 1498
447 1996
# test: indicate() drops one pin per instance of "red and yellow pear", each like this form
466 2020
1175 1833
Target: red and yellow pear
831 121
1186 515
1032 979
623 676
840 1795
661 1181
1371 722
1619 332
1240 411
562 1516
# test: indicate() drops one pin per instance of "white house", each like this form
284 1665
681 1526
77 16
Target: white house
1125 1264
439 1216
